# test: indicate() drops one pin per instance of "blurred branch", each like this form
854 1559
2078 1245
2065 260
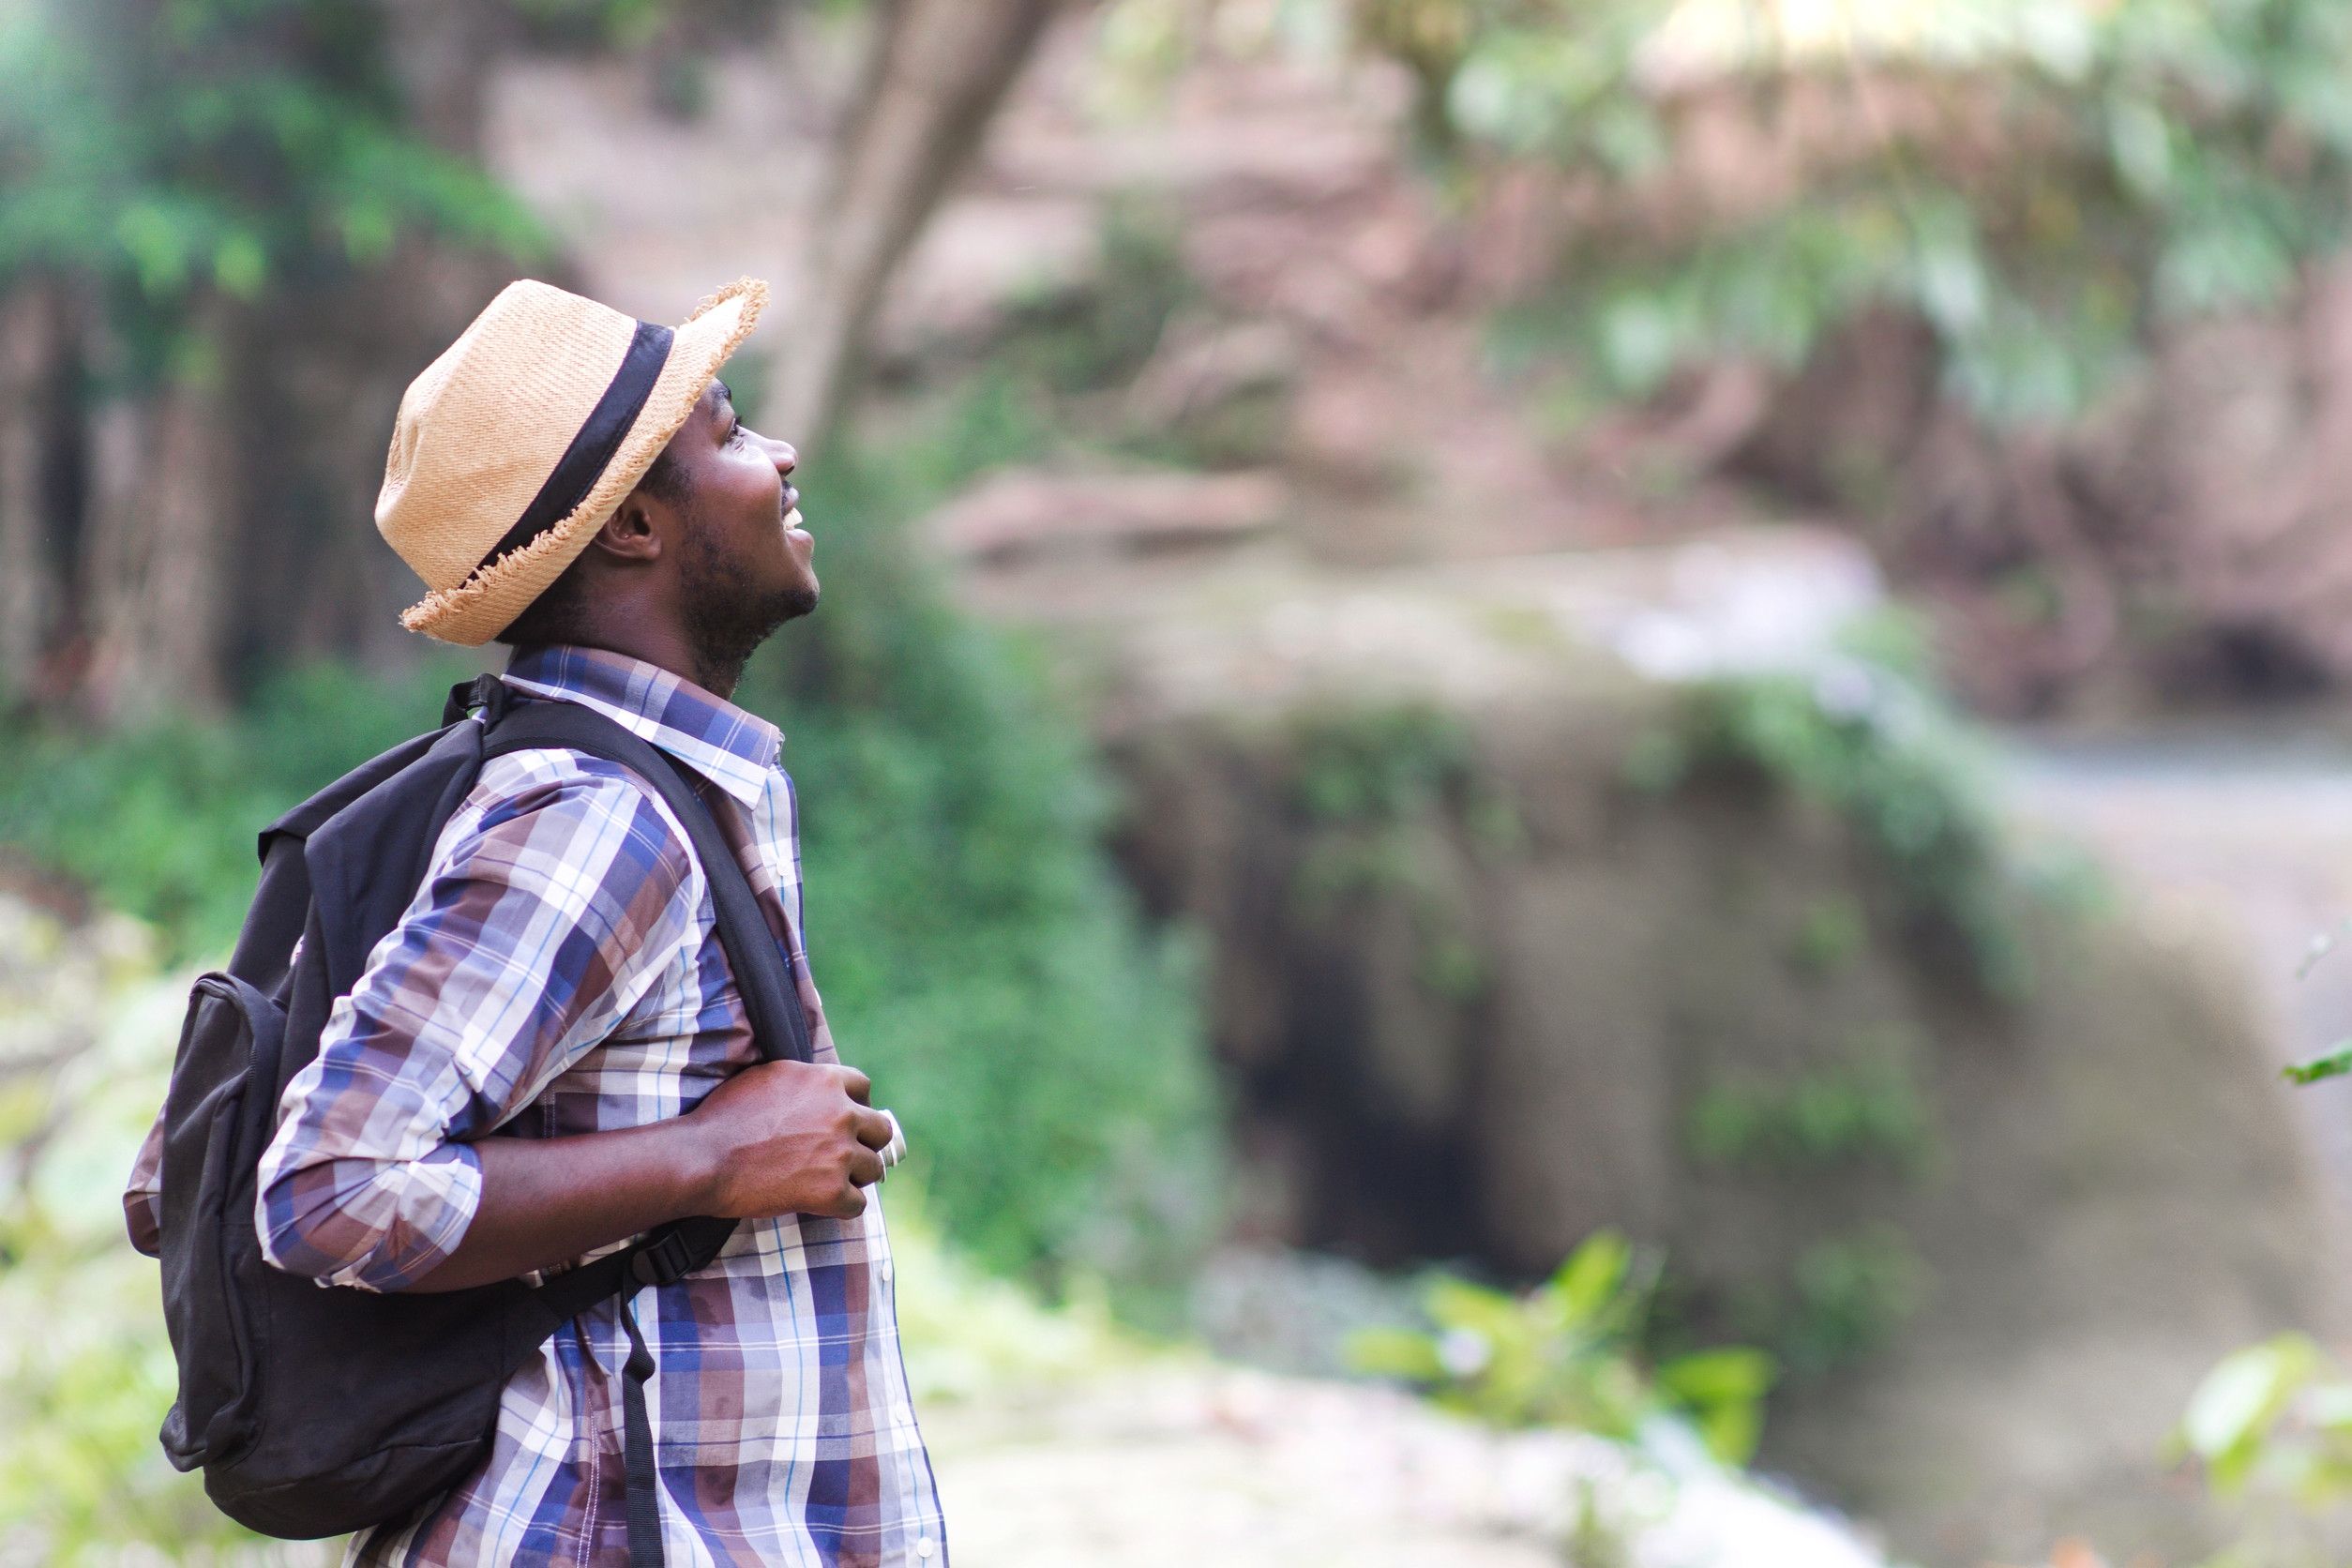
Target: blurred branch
936 74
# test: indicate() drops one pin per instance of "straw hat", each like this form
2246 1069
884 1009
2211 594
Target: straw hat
516 444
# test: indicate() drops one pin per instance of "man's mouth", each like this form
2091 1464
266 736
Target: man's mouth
792 509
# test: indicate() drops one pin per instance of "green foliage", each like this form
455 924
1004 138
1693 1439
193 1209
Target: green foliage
167 151
159 822
1375 783
1831 937
2338 1061
1867 1111
1100 337
1844 1297
2271 1411
1564 1354
978 956
1873 747
2120 166
969 1335
1050 378
594 24
79 1461
86 1372
1853 1292
2271 1427
1378 765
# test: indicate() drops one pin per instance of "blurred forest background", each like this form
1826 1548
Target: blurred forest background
1568 755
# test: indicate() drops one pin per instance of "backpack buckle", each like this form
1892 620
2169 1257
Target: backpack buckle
664 1260
486 692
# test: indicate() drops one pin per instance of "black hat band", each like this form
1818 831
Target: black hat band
591 451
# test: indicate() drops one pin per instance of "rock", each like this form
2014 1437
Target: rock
1024 514
1292 1312
980 259
1197 372
1477 974
1184 1466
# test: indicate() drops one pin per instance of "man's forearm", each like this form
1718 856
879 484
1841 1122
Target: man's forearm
547 1201
781 1138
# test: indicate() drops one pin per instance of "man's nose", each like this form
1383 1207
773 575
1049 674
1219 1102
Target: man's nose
786 459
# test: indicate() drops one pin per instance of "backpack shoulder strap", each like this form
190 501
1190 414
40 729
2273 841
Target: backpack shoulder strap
771 997
281 902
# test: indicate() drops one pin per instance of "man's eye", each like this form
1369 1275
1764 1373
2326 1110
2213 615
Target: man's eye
735 432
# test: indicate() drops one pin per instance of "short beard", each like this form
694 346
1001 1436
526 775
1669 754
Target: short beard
726 617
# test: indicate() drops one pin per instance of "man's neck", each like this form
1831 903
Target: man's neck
663 647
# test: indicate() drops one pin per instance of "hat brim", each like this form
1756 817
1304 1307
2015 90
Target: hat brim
487 602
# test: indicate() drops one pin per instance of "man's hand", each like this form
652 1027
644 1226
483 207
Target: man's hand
790 1138
782 1138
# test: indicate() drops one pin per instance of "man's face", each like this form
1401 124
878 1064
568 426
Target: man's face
747 566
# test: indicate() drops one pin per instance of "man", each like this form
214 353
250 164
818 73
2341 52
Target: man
508 1089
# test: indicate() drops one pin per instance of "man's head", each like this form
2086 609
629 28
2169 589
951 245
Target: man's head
525 450
699 564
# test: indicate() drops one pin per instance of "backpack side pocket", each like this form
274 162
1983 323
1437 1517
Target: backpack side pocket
207 1173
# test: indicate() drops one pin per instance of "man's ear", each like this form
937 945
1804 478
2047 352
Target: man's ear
630 534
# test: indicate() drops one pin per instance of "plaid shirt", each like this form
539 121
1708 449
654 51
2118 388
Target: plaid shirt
560 972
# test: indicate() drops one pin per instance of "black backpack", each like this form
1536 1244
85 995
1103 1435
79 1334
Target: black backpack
317 1411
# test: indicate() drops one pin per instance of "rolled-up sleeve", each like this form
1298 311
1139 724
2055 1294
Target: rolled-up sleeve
558 892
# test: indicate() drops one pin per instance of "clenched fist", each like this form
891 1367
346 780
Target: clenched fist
790 1138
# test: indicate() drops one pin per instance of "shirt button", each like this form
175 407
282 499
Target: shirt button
923 1549
886 1273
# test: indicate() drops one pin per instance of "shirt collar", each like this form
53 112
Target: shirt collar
733 749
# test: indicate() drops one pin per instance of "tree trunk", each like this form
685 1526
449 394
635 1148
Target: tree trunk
440 54
321 378
938 72
161 509
30 343
319 389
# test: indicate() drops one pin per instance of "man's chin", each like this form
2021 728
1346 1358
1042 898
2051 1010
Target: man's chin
725 633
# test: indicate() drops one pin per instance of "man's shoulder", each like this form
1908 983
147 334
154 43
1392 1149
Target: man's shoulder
583 810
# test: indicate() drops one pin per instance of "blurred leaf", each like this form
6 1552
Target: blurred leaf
1710 1377
2141 139
1589 1280
239 263
2224 258
1458 1303
2332 1065
1642 340
1398 1353
1725 1390
1564 1354
2240 1397
2330 1406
